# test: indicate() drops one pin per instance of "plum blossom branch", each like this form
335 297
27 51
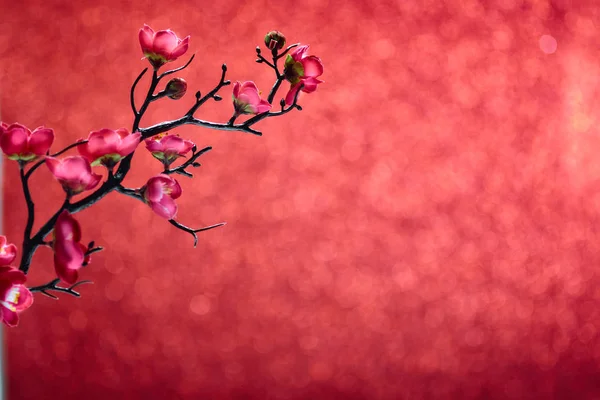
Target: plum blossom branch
210 95
172 71
53 285
190 162
132 91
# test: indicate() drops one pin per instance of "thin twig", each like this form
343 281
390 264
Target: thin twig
132 93
210 95
190 162
52 285
176 69
194 231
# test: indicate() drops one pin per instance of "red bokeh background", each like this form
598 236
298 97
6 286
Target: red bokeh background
427 227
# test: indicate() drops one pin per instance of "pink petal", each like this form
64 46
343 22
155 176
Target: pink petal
146 38
53 165
67 228
164 43
299 53
12 276
154 190
180 49
166 208
173 144
92 181
289 98
310 84
68 258
102 142
175 189
3 240
9 317
10 253
129 143
84 152
14 140
263 106
25 298
154 145
236 89
312 66
40 140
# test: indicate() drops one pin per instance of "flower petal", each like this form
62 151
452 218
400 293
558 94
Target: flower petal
180 49
289 98
9 317
40 140
164 43
14 139
146 38
312 66
129 143
166 208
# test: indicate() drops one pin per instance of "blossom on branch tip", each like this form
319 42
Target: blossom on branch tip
301 69
14 296
8 251
19 143
74 173
246 99
160 193
69 252
107 147
167 148
162 46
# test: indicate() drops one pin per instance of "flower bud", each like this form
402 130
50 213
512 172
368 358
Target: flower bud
176 88
274 40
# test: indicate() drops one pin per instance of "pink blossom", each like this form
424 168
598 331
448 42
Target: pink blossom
69 253
246 99
301 69
8 251
162 46
14 296
74 173
160 193
167 148
19 143
108 147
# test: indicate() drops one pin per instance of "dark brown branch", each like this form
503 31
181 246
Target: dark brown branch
190 162
194 231
53 285
132 92
210 95
176 69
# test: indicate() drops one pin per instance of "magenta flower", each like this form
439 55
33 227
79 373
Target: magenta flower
3 127
8 251
301 69
108 147
19 143
163 46
69 253
160 193
74 173
14 296
246 99
167 148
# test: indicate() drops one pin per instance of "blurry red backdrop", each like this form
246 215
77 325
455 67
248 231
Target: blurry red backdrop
426 228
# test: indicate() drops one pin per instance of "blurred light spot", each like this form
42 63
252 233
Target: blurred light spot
200 305
548 44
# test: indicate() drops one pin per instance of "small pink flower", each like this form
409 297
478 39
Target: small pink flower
167 148
69 253
246 99
162 46
8 251
160 193
108 147
19 143
14 296
3 127
74 173
301 69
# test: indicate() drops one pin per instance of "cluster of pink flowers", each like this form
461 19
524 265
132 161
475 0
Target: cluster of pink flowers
14 296
106 148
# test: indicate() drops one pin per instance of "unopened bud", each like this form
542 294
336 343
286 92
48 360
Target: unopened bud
176 88
274 40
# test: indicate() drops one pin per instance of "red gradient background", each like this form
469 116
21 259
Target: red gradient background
426 228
